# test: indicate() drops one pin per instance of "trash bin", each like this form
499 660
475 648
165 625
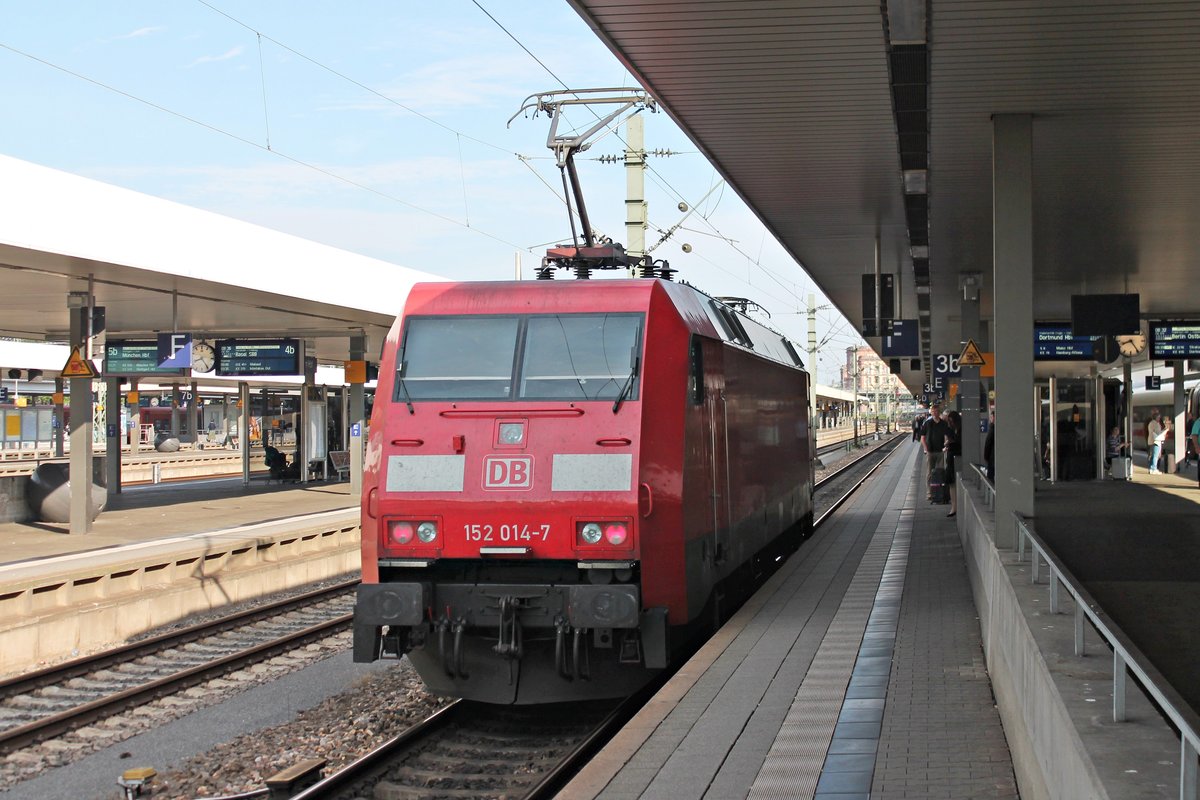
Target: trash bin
49 493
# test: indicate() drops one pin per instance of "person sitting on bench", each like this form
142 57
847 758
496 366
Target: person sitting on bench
278 466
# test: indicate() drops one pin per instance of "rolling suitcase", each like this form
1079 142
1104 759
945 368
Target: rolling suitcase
938 491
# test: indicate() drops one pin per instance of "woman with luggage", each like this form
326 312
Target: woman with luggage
953 449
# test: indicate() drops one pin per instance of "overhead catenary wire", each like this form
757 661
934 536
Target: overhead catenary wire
653 172
275 152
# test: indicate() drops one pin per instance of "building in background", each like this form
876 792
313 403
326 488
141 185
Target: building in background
880 393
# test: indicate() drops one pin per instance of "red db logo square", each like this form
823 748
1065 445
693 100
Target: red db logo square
508 472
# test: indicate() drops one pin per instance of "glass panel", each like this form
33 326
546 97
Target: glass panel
579 357
458 358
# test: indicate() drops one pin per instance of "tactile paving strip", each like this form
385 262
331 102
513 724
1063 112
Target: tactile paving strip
792 768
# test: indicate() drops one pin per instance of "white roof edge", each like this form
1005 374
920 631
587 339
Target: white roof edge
119 226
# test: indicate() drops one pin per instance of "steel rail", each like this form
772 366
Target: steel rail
31 681
63 721
385 752
838 503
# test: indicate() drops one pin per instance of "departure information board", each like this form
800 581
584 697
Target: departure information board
251 357
129 357
1174 340
1055 342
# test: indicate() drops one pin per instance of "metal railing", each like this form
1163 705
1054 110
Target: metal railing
1127 658
985 486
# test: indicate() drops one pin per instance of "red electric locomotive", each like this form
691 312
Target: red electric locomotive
565 480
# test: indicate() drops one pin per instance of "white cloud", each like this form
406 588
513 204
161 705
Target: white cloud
139 33
233 52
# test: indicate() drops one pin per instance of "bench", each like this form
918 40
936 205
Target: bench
339 461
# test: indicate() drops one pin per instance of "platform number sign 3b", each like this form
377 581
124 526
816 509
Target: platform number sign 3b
946 364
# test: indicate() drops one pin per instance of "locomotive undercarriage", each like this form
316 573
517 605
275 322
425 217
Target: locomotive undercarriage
474 631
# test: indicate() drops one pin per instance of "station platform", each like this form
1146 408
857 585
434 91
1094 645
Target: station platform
856 671
864 667
158 554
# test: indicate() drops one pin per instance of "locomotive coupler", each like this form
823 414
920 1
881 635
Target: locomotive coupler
580 656
509 642
460 657
561 629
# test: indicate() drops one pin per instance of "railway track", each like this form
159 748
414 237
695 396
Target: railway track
44 704
472 750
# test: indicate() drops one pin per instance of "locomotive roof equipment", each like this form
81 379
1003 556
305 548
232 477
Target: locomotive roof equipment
594 254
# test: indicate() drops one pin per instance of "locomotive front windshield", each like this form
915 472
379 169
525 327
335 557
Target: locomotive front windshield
534 357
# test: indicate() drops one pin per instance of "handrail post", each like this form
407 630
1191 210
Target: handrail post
1053 588
1033 554
1021 543
1189 784
1118 685
1079 618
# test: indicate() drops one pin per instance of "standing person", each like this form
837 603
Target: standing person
953 450
1155 440
933 439
1195 437
989 449
917 424
1189 449
1154 430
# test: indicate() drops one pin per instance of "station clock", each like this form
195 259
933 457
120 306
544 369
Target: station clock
204 357
1131 344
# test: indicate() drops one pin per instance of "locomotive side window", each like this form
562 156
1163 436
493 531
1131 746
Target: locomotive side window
581 357
460 358
696 359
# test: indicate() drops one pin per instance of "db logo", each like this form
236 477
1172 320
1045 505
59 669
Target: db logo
508 472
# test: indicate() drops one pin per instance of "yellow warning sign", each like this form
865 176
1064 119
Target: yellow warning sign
971 355
78 366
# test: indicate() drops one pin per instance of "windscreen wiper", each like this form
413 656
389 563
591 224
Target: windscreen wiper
403 388
633 373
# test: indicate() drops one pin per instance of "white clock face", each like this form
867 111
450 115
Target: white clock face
1131 345
204 358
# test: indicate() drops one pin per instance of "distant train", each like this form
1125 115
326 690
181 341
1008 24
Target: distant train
567 480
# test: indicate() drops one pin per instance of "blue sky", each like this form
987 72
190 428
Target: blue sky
386 126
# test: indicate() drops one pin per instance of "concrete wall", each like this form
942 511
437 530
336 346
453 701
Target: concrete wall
1057 707
12 499
56 608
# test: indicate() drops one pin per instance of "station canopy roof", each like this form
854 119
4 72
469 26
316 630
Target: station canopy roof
843 122
158 266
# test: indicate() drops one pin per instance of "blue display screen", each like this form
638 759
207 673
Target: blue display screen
1174 340
127 357
1055 342
248 357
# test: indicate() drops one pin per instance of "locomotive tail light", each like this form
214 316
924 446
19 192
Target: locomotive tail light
400 531
427 531
511 433
591 533
616 533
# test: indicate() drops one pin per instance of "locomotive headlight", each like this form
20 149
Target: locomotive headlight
400 532
616 533
512 432
427 532
591 533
